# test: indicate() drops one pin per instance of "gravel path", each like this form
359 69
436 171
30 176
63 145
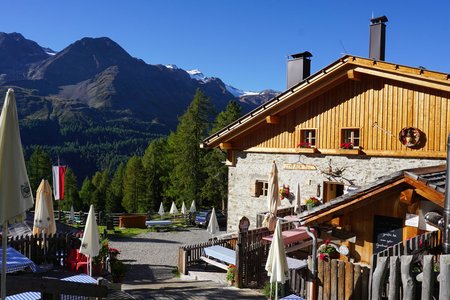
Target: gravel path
153 256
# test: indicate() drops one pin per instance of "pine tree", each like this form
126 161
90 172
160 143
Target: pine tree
71 196
86 194
101 182
187 176
216 184
114 193
156 171
134 196
39 167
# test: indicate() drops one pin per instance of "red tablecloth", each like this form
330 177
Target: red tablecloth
292 236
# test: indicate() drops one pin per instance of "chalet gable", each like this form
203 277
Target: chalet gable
347 69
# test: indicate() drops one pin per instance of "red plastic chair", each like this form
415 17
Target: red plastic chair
82 264
72 260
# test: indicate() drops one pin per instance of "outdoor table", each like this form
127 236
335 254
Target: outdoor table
16 261
221 253
158 223
294 264
291 236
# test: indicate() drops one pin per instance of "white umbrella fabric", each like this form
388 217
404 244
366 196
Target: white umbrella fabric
15 196
161 211
213 225
273 199
183 209
173 208
44 219
193 209
276 265
90 244
298 201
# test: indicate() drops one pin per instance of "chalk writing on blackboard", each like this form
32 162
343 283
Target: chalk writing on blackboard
387 231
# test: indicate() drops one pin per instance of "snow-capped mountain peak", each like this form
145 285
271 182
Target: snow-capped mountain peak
49 51
198 75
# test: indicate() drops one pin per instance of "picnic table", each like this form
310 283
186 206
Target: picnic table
156 223
219 256
16 261
295 239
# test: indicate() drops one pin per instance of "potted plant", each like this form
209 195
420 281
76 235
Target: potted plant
328 250
118 270
231 273
311 202
284 191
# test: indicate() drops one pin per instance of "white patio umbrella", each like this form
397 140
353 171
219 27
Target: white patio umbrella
213 225
183 209
90 244
173 208
15 196
44 217
273 199
193 209
161 211
72 214
276 265
298 201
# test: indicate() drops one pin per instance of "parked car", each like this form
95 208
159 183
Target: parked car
202 218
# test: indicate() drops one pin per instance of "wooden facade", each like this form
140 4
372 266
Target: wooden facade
378 98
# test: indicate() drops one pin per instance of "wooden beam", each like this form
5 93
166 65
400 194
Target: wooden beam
427 192
225 146
407 196
272 119
353 75
231 158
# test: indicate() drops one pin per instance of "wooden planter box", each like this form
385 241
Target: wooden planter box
349 151
307 150
132 221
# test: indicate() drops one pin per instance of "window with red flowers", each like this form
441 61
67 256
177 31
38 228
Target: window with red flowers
307 138
350 138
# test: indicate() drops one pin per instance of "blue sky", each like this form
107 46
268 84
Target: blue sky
243 42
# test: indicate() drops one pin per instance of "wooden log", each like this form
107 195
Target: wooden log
357 282
444 277
334 280
394 278
341 280
348 281
408 283
378 278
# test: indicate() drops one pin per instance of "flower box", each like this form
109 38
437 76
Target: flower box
307 150
354 151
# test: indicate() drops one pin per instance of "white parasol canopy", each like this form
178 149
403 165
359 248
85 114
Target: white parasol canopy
298 201
193 209
15 196
173 208
213 225
161 211
273 199
72 214
44 218
276 265
90 244
183 209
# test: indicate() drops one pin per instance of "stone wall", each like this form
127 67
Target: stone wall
357 170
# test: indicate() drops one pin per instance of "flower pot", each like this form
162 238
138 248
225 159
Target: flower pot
97 269
230 282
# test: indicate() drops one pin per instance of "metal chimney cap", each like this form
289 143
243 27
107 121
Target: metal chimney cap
305 54
377 20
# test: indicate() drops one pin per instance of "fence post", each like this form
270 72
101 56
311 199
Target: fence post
378 278
239 264
394 280
427 278
409 286
444 277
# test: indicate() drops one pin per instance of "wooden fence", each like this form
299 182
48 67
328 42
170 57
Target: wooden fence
189 255
56 247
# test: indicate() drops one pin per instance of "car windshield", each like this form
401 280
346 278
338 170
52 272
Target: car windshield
202 213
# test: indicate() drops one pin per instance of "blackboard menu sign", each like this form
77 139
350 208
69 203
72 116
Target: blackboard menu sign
387 231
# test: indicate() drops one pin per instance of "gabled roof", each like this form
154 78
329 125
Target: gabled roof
346 68
428 182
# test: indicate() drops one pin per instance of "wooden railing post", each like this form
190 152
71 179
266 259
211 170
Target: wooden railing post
239 271
444 277
378 278
394 278
409 285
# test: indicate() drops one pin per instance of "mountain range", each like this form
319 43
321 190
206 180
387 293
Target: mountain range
93 93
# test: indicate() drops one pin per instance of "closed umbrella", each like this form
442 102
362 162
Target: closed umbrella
15 196
298 201
161 210
72 214
273 199
90 244
44 194
173 208
193 209
276 265
183 209
213 225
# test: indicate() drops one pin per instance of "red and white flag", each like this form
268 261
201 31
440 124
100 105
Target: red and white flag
58 181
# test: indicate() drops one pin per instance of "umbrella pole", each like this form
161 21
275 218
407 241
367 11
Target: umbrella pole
4 244
276 290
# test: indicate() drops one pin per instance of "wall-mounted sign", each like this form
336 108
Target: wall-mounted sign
410 137
387 231
299 166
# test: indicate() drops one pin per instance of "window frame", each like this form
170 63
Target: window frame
352 138
310 139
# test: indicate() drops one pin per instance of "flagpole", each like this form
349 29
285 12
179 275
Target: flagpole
4 244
